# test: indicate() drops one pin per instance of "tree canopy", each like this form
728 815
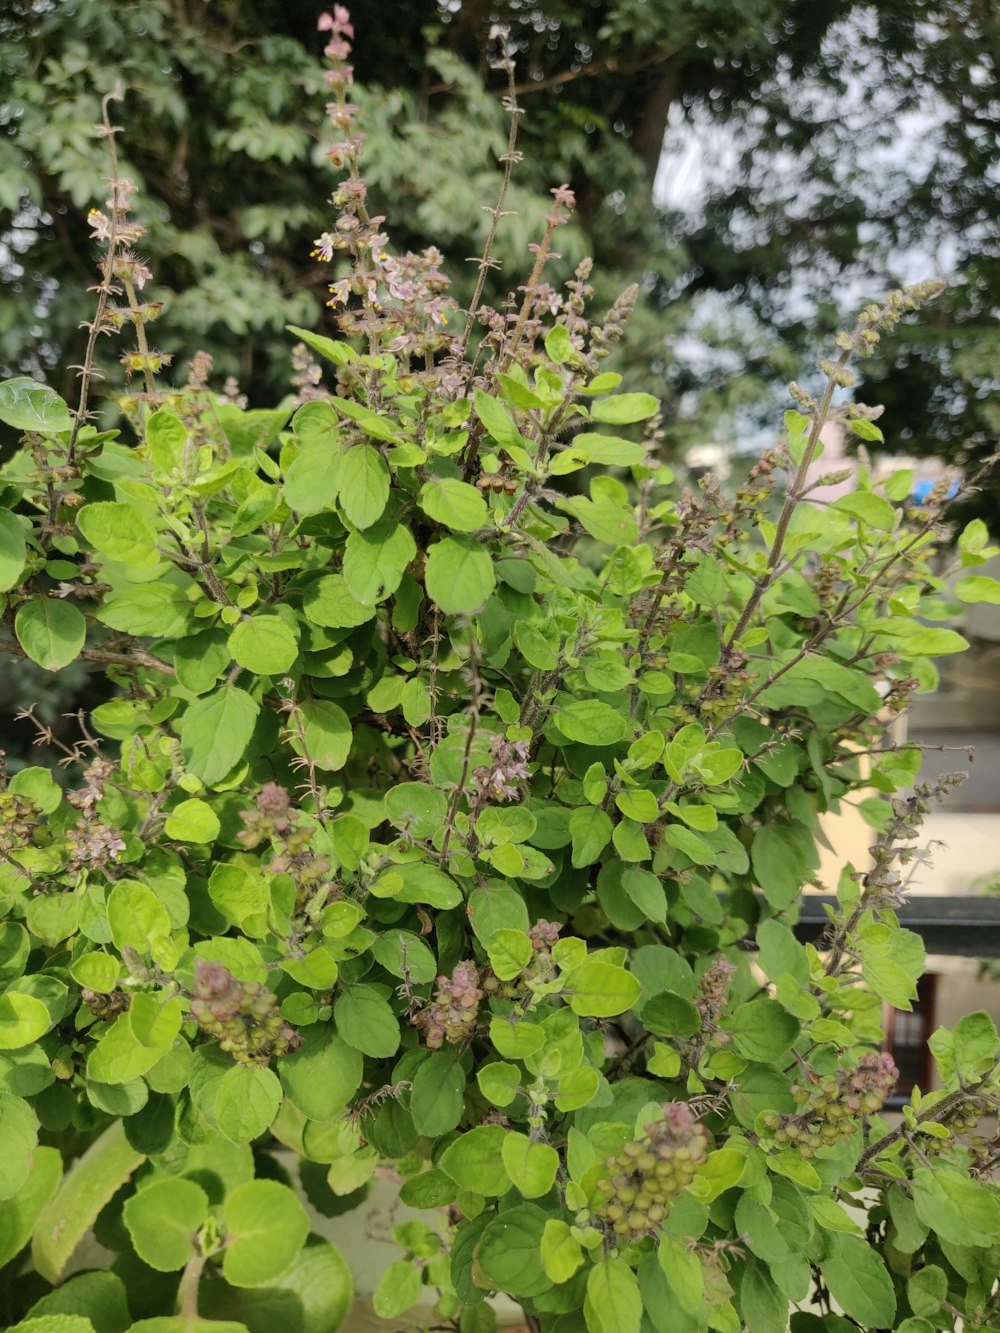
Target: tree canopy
806 203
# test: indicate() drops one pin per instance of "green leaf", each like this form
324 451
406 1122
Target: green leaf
312 481
340 353
475 1161
376 559
498 422
136 1041
780 859
18 1140
510 952
247 1099
157 609
327 734
364 485
607 450
912 639
613 1303
958 1209
430 1189
610 523
437 1101
322 1076
38 785
180 1324
375 424
535 647
764 1308
54 1323
267 1227
215 732
21 1209
23 1019
639 804
418 882
314 1295
558 345
531 1166
591 832
591 722
52 632
646 892
499 1082
330 603
871 509
600 990
365 1021
889 981
682 1269
13 550
240 894
459 575
416 807
866 430
264 645
397 1289
909 1231
560 1251
719 1173
509 1252
192 821
974 588
624 408
670 1015
92 1180
27 405
136 917
166 436
858 1281
780 952
453 503
162 1220
974 1045
926 1289
99 1297
98 971
762 1030
119 532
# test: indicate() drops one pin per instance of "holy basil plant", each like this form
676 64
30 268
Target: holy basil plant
448 816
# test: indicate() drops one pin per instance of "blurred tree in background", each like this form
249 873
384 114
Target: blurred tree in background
841 149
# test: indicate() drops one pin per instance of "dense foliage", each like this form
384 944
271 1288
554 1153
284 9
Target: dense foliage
452 814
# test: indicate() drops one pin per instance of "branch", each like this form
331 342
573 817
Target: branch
610 65
139 657
792 498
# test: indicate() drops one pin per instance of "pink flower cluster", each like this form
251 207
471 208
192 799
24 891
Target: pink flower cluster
403 306
509 766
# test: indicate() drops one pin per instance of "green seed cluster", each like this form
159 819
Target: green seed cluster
106 1006
274 821
243 1015
18 820
830 1107
650 1171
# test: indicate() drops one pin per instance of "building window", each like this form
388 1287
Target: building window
906 1036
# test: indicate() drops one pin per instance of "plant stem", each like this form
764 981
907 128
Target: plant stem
187 1292
792 498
